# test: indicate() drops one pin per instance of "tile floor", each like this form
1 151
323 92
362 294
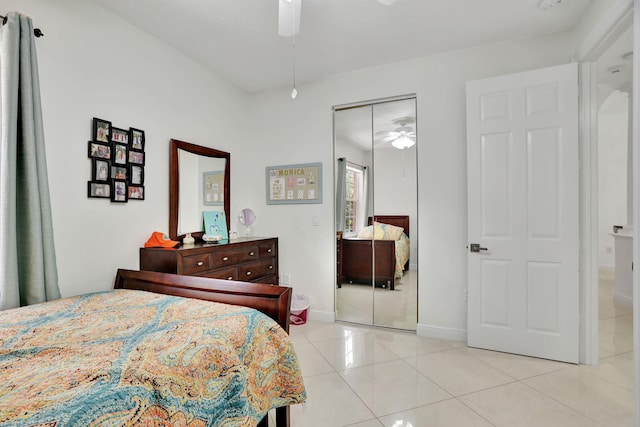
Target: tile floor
358 303
368 377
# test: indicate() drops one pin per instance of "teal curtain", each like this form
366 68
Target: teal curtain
341 173
27 255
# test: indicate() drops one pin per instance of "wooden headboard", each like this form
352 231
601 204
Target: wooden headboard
397 220
274 301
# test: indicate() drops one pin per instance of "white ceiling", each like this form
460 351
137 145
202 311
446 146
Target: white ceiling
238 39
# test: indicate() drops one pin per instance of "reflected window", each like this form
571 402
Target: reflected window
353 206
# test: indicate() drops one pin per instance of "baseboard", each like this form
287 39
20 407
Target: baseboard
441 333
622 299
322 316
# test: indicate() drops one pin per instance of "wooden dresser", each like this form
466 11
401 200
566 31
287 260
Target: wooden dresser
247 259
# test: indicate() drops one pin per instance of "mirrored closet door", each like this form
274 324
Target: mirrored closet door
375 148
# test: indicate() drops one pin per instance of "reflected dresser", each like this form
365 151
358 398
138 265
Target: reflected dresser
247 259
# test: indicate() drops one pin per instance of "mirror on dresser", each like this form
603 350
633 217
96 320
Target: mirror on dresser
199 181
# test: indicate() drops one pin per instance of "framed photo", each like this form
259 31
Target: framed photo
119 172
136 174
119 191
102 151
119 136
136 136
294 184
100 170
135 192
119 154
101 130
100 190
136 157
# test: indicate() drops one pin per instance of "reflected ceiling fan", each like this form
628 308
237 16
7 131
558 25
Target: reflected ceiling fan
404 136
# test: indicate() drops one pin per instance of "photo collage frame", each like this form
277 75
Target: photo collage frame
117 162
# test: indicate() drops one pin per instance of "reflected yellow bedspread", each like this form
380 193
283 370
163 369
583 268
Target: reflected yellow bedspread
136 358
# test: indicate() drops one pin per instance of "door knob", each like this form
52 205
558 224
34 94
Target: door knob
475 247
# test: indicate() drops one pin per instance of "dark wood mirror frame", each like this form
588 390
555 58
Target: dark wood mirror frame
174 183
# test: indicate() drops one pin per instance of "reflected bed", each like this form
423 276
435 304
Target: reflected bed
390 251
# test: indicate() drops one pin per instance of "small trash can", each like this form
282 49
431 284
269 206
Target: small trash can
299 307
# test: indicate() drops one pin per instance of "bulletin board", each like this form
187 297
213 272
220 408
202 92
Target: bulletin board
213 188
294 184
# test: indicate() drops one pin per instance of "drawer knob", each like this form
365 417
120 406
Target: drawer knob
251 253
200 263
248 273
269 250
225 258
271 267
230 278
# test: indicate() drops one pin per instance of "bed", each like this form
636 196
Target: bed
391 255
153 351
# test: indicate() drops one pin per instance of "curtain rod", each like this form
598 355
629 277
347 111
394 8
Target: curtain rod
36 31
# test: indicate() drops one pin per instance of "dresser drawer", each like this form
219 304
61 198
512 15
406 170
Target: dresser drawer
267 249
194 264
269 280
253 270
234 256
230 273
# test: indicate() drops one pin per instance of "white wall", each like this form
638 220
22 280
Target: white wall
300 131
612 172
93 64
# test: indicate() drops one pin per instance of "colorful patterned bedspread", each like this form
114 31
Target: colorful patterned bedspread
136 358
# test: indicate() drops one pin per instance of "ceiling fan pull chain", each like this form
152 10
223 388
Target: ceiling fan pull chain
294 92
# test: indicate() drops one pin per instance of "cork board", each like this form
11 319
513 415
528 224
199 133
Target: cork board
213 188
294 184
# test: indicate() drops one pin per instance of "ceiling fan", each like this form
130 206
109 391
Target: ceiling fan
404 136
289 25
289 16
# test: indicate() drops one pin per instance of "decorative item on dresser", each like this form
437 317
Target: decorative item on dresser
249 259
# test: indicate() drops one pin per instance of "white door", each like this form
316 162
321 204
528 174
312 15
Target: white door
522 160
